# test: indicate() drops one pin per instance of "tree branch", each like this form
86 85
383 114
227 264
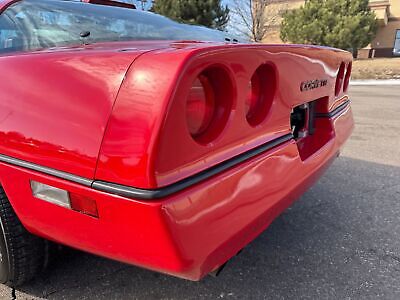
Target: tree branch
251 17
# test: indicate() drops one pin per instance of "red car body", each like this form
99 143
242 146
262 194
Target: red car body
107 121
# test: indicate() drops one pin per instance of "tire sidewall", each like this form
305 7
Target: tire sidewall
4 257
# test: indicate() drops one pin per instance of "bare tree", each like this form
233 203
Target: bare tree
253 18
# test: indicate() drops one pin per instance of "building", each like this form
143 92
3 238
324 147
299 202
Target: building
387 40
385 44
275 10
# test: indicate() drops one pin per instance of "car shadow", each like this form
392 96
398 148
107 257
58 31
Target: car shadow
341 239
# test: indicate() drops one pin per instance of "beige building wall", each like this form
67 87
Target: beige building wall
274 13
386 35
395 8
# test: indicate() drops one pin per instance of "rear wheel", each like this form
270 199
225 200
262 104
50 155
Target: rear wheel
22 255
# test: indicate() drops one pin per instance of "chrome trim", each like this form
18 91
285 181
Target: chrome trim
46 170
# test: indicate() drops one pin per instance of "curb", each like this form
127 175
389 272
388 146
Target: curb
375 82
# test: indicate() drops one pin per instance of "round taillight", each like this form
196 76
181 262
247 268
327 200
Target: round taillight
262 88
340 79
253 97
200 107
209 104
347 78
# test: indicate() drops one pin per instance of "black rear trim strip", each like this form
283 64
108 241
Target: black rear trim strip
146 194
337 111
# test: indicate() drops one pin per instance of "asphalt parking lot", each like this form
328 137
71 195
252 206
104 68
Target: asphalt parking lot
341 240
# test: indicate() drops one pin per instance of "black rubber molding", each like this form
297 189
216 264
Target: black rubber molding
145 194
337 111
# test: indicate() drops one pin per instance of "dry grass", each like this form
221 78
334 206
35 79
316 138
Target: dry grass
379 68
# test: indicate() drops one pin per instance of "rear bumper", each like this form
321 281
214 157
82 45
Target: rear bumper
188 234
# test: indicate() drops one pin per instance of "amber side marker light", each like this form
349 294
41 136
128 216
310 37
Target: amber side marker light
64 198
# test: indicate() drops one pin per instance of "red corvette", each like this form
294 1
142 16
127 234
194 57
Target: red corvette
126 136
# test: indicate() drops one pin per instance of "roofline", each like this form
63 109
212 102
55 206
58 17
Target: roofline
111 3
6 3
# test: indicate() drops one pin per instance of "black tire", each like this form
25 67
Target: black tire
22 255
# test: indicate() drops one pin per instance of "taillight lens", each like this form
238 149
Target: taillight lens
209 104
84 205
262 89
340 79
253 96
200 106
347 78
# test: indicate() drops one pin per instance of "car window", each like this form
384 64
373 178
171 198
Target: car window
9 36
37 24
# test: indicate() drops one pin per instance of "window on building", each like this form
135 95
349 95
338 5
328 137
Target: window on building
396 49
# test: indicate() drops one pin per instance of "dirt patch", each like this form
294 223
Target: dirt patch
379 68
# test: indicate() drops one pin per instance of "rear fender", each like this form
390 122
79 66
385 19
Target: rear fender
147 143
